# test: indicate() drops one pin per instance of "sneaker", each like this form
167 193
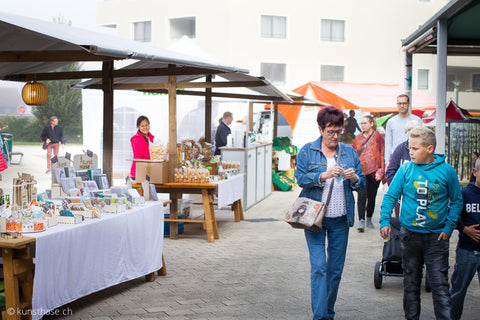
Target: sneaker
370 223
361 225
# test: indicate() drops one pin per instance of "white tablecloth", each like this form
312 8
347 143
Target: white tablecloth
73 261
230 190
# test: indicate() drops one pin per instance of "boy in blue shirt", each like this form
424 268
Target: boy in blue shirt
468 248
427 184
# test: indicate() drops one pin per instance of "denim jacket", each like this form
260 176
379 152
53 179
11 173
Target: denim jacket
311 163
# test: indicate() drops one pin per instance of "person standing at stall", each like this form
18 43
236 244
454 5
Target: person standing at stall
52 136
141 142
370 146
395 131
223 131
316 172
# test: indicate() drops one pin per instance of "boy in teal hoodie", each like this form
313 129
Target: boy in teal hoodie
432 203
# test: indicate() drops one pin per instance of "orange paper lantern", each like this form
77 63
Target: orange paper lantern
34 93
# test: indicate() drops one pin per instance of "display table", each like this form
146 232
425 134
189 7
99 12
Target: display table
73 261
229 191
18 268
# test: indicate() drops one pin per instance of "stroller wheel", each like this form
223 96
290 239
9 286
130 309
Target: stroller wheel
428 288
377 276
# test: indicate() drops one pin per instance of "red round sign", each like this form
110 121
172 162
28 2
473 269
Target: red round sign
21 109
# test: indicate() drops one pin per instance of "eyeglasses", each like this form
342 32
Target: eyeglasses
402 103
331 133
362 123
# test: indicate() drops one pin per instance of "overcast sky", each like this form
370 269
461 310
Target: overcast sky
82 13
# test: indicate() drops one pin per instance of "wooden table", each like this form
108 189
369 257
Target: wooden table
18 270
207 190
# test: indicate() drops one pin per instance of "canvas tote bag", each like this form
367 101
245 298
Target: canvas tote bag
307 213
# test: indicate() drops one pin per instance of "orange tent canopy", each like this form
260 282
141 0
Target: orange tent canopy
368 97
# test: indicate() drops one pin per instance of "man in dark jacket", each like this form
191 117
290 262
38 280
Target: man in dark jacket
52 136
223 131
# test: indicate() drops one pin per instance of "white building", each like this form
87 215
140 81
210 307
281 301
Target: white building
288 42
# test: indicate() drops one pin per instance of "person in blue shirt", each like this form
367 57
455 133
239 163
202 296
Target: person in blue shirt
317 170
467 260
432 203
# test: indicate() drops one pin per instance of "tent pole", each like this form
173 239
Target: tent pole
208 111
441 84
107 86
275 119
172 126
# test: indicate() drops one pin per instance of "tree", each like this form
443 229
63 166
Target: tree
65 104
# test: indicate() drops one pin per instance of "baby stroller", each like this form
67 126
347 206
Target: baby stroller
391 264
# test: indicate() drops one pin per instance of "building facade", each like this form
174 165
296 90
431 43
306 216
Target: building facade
290 43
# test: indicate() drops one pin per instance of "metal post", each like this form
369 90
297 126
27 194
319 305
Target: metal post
441 84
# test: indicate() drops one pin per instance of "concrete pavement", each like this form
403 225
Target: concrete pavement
258 269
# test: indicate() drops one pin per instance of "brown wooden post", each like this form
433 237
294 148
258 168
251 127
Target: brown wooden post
172 126
208 111
250 116
275 119
107 86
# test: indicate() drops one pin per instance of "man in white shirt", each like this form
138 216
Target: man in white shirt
395 131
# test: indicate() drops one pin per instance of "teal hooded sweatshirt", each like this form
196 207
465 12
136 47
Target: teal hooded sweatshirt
432 197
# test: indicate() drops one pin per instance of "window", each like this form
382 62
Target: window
333 30
332 73
180 27
476 82
142 31
275 72
273 27
422 81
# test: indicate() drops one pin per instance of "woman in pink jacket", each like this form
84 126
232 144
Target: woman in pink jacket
140 142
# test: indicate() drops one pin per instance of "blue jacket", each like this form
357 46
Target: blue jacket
400 156
426 190
311 163
470 216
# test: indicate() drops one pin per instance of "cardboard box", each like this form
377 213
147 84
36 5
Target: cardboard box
157 170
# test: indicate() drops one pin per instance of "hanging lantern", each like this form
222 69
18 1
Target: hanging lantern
34 93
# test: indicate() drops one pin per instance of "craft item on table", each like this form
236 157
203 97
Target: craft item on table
128 181
153 193
89 185
41 197
87 160
102 181
83 174
74 192
59 174
119 190
68 218
72 199
146 188
68 183
69 172
94 172
81 209
57 192
79 183
135 198
114 206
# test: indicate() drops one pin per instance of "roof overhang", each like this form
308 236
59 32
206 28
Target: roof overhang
462 18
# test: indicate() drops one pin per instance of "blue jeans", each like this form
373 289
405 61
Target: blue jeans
326 267
467 263
420 248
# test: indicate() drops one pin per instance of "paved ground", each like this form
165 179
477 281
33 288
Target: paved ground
258 269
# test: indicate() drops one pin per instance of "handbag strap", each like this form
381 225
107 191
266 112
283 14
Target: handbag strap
365 145
333 181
